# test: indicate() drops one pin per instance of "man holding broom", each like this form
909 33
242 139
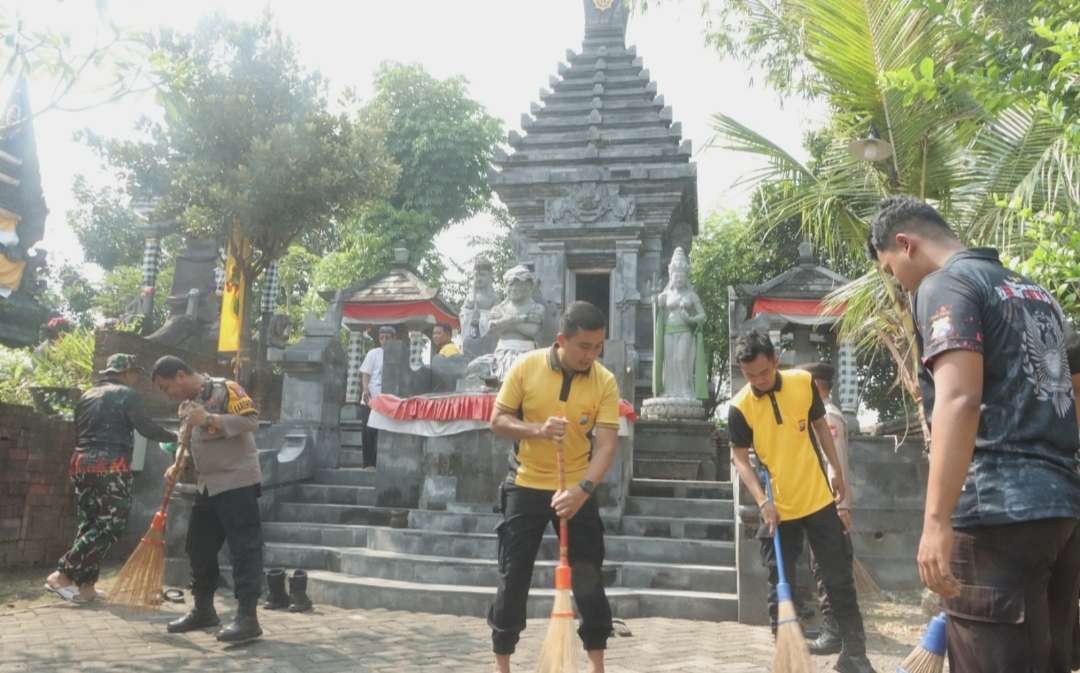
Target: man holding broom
1001 535
105 418
562 394
773 414
224 421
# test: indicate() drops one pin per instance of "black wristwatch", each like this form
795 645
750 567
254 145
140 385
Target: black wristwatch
587 486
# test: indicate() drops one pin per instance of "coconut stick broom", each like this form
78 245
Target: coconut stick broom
929 656
141 579
559 652
792 655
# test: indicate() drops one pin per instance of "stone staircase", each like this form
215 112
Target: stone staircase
671 555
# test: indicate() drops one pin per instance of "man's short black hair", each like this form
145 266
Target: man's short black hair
820 371
898 214
581 316
168 366
1072 350
750 346
445 326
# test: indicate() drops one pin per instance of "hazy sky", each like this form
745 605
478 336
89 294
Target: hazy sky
507 49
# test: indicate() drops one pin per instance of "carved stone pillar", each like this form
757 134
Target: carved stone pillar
626 295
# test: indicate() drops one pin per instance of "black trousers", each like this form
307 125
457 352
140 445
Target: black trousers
231 516
833 556
526 514
1017 606
370 438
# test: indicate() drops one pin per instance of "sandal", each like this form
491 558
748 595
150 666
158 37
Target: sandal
69 594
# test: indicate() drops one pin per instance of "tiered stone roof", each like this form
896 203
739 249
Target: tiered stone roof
600 149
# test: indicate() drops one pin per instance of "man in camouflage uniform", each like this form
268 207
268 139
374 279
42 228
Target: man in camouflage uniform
100 470
226 508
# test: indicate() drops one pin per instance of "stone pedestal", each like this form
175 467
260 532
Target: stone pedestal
672 409
674 449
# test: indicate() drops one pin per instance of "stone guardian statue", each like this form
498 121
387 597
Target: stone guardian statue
516 320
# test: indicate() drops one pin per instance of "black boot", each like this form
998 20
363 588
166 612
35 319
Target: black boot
201 616
298 598
277 598
850 662
828 639
245 625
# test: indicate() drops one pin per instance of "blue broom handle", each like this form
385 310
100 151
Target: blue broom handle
776 535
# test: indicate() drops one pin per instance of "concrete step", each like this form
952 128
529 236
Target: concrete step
484 572
333 494
345 476
348 591
697 508
350 458
667 527
470 522
678 488
620 548
312 513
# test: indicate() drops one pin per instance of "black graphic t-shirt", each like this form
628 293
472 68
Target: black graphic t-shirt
1025 463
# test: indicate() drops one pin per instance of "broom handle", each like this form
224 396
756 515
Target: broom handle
560 461
181 455
776 536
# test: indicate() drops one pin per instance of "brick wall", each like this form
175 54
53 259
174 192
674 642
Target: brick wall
37 520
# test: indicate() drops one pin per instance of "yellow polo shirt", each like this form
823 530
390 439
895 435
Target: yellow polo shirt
449 349
777 425
532 390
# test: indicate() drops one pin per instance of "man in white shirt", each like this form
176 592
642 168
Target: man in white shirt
371 378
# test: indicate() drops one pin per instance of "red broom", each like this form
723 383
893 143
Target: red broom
141 579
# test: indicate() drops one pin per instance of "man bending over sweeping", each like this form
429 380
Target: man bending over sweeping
226 503
529 410
774 414
105 417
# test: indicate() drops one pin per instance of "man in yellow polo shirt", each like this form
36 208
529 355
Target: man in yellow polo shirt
773 414
441 336
551 395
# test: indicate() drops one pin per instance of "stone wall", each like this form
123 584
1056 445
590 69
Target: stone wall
36 500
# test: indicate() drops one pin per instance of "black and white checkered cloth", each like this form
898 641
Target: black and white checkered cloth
150 261
270 289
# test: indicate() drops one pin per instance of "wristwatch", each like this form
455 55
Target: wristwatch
587 486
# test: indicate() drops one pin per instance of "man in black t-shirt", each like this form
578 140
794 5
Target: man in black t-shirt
1000 540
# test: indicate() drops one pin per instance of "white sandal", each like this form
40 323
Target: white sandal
69 594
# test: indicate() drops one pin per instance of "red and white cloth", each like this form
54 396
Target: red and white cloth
442 415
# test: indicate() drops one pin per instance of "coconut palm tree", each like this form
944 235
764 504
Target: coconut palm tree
877 63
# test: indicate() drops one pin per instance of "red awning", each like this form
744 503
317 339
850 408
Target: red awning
474 407
803 307
376 313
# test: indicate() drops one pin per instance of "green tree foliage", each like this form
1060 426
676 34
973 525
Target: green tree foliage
109 231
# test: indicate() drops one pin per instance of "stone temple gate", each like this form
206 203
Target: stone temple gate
601 185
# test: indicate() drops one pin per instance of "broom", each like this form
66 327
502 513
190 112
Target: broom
864 582
141 579
792 654
558 654
929 656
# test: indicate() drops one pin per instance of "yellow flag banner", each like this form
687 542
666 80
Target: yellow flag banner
10 272
232 299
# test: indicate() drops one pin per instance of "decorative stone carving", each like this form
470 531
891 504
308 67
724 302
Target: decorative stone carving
476 311
516 320
679 368
587 204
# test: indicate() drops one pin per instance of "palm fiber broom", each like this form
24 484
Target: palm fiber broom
792 655
559 653
141 579
865 585
929 656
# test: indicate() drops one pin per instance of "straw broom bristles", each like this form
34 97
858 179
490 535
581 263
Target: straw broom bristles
141 579
559 653
864 581
929 656
792 654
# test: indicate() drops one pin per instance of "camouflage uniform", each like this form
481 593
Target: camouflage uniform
100 468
